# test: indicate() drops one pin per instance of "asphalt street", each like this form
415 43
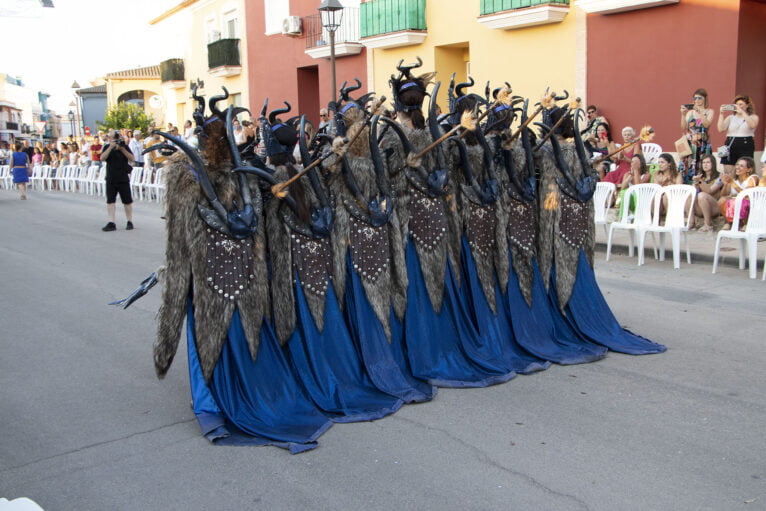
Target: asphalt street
86 425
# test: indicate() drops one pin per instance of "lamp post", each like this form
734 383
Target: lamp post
331 12
71 121
75 91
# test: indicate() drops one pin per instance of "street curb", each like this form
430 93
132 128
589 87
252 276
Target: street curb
697 257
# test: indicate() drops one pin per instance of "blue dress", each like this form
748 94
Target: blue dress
242 404
19 162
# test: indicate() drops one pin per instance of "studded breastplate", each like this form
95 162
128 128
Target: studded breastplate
573 225
369 249
522 225
312 261
229 264
481 229
428 223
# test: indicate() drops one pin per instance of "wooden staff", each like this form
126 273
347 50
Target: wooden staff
647 134
573 105
468 122
280 189
545 103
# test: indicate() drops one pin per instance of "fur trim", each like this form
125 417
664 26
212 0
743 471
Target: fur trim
187 269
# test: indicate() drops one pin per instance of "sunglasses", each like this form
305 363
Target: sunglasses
698 97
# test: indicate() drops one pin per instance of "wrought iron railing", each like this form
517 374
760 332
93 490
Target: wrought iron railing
495 6
11 125
348 31
224 52
385 16
172 70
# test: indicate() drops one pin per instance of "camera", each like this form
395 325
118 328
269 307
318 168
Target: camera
728 107
688 106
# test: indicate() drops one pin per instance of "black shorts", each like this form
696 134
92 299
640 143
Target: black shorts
738 147
123 188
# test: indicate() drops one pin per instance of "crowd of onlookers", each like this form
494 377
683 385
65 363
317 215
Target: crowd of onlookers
718 175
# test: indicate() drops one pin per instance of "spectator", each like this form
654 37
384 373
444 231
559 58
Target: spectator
637 175
64 159
5 153
239 134
188 131
74 154
623 158
95 151
118 160
84 152
594 119
667 171
28 149
600 147
739 128
20 169
156 157
708 184
695 122
249 131
324 121
744 177
136 147
47 153
37 157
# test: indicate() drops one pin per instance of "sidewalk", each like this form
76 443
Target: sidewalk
701 245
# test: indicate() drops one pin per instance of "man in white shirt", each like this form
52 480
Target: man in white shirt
136 147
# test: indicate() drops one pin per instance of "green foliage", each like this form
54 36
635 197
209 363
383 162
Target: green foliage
126 115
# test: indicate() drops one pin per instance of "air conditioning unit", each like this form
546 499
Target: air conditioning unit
291 25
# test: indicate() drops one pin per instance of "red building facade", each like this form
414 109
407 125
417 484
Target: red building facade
282 36
644 64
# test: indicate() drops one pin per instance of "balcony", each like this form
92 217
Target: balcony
613 6
172 73
393 23
346 37
512 14
223 58
12 126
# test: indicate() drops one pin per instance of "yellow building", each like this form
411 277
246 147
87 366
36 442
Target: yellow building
215 55
141 86
532 44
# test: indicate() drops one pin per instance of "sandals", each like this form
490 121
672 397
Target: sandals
706 228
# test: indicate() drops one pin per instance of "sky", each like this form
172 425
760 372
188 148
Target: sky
49 48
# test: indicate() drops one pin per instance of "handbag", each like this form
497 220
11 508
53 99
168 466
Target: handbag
725 150
682 147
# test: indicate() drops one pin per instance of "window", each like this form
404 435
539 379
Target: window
213 34
230 22
236 99
276 11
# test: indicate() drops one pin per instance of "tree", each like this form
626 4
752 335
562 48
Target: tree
126 115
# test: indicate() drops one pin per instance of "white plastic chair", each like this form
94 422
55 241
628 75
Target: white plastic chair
156 188
602 199
100 181
5 176
143 186
641 217
135 181
755 229
37 173
651 152
678 218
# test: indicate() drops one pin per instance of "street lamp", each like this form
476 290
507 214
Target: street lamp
331 12
75 88
71 121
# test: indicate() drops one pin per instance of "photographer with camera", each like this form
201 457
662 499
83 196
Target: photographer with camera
740 131
118 159
696 119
